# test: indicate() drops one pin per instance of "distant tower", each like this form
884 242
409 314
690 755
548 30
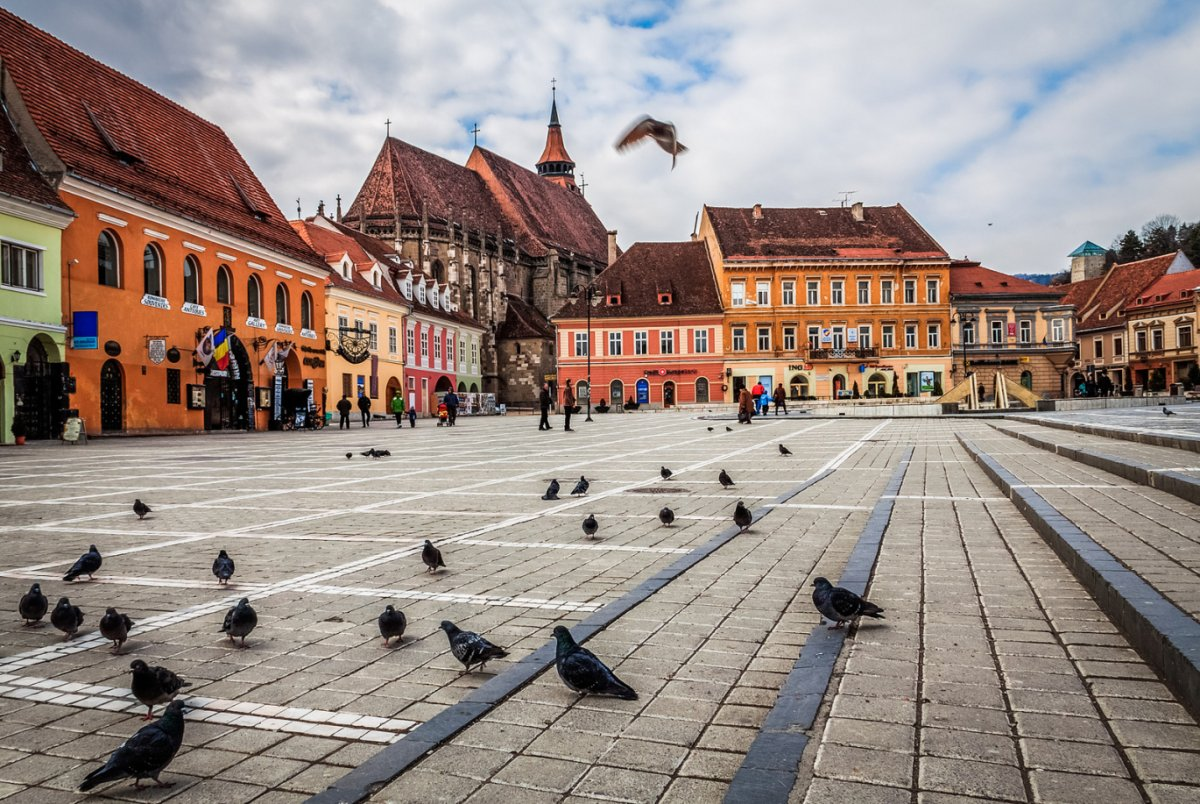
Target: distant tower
555 163
1087 261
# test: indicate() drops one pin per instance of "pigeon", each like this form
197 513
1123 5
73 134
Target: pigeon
470 648
582 672
662 133
154 685
115 626
240 621
33 605
383 453
369 453
144 755
432 556
581 487
784 450
223 567
710 429
141 509
551 490
725 479
392 624
590 525
66 618
1167 411
666 516
665 472
349 455
742 516
840 605
728 429
87 564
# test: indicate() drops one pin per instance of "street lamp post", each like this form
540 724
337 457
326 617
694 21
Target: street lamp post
963 321
590 294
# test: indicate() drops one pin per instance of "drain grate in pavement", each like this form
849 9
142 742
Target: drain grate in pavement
655 490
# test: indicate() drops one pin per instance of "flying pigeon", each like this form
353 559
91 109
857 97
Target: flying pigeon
87 564
141 509
144 755
470 648
742 516
840 605
725 479
223 567
784 450
66 618
432 556
154 685
582 672
581 487
392 624
551 490
666 516
349 455
240 621
115 626
1167 411
665 472
33 605
662 133
590 525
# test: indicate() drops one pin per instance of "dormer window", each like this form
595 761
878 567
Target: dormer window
434 299
421 293
614 300
406 287
376 278
446 299
664 297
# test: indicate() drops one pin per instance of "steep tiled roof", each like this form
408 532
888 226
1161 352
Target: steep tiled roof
648 269
1079 293
1169 289
971 278
522 320
1122 283
555 150
332 245
825 233
19 179
110 130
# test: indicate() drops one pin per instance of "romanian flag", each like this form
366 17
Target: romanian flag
220 353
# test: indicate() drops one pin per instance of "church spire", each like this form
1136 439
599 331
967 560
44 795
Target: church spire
555 163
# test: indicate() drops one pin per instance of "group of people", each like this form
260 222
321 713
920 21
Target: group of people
756 402
447 410
546 402
1098 386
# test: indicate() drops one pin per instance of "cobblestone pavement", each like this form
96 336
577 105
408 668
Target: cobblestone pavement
1186 422
994 676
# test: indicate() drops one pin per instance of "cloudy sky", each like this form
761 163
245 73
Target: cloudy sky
1012 129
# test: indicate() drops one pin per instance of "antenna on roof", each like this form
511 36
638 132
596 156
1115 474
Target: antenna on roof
845 194
299 212
582 185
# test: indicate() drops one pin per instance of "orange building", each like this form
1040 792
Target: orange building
827 301
175 238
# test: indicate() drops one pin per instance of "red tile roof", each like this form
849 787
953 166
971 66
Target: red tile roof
971 278
113 131
522 320
1169 289
556 149
19 178
1079 293
821 233
1123 282
332 245
647 270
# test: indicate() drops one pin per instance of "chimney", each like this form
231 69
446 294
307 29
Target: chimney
856 209
321 208
612 246
758 212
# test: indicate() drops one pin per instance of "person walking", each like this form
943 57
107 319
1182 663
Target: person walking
780 399
412 416
398 408
450 400
343 409
757 392
544 404
745 406
568 405
364 409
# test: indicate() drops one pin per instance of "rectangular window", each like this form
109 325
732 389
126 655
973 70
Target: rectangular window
700 341
666 342
789 339
1057 331
343 323
764 339
839 337
1139 341
424 344
1183 336
788 292
910 291
1118 346
641 343
358 325
437 348
581 344
739 339
737 294
814 336
20 267
910 336
410 340
1098 348
762 293
885 291
864 291
347 384
889 336
392 340
837 293
474 355
864 336
933 336
931 291
813 292
1156 339
1026 332
374 337
997 332
450 350
614 343
174 378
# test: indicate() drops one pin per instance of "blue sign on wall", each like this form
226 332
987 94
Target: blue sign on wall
85 329
643 392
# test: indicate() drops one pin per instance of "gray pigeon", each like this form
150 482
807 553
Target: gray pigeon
432 556
144 755
115 626
1167 411
725 479
349 455
666 516
33 605
66 618
590 526
784 450
240 621
141 509
154 685
710 429
551 490
665 472
87 564
582 672
661 132
223 567
840 605
728 429
470 648
742 516
392 624
581 487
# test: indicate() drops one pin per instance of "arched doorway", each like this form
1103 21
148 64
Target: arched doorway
443 385
474 388
702 390
582 392
462 388
39 387
112 397
228 399
1077 380
877 385
668 394
1027 379
616 393
799 386
839 385
643 391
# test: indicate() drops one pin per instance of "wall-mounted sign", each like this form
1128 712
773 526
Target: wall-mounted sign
156 348
157 302
664 372
286 329
643 392
197 397
85 329
191 308
173 355
256 323
112 348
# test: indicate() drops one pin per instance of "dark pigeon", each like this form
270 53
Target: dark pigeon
582 672
590 525
551 490
349 455
223 567
66 618
666 473
784 450
141 509
87 564
392 624
710 429
742 516
154 685
666 516
144 755
581 487
725 479
33 605
1167 411
240 621
840 605
432 556
382 453
470 648
728 429
115 626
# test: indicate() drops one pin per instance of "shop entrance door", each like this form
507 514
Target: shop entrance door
112 397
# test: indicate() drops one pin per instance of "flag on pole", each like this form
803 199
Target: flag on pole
221 349
204 349
269 358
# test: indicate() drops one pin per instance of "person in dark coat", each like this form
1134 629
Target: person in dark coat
745 406
780 399
343 408
364 408
568 405
544 404
450 400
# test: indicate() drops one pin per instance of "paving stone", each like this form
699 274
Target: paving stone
1075 788
1160 765
622 784
1089 758
962 777
864 765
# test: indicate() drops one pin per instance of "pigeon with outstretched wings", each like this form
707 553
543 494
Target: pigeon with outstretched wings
662 133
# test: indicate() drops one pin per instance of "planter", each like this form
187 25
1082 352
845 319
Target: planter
19 440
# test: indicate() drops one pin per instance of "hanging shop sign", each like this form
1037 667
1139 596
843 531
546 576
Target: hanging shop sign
354 345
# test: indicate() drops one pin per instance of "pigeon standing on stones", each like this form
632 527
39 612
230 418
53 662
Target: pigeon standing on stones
581 487
666 516
432 556
582 672
87 564
742 516
784 450
115 626
154 685
349 455
590 525
392 624
144 755
66 618
33 605
141 509
470 648
240 621
223 567
1167 411
710 429
551 490
725 479
666 473
840 605
728 429
383 453
662 133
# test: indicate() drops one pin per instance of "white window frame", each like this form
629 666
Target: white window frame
814 336
864 291
641 342
763 338
888 336
933 336
762 293
1180 329
424 344
374 330
812 292
933 291
1140 339
392 340
994 327
1058 330
614 343
737 340
666 341
410 340
700 341
1025 331
910 336
737 293
1157 339
837 291
789 339
581 344
910 291
864 336
886 292
437 347
787 293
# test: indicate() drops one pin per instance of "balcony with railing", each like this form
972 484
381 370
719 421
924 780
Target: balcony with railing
857 353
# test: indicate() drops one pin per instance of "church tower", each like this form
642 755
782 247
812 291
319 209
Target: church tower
555 163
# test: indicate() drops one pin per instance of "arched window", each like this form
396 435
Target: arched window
108 258
281 304
152 263
306 311
1027 380
702 390
224 285
254 297
191 279
616 393
439 272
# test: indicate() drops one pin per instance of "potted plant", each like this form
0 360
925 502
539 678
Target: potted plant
18 429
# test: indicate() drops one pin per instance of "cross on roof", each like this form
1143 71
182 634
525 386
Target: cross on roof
388 123
582 184
475 131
